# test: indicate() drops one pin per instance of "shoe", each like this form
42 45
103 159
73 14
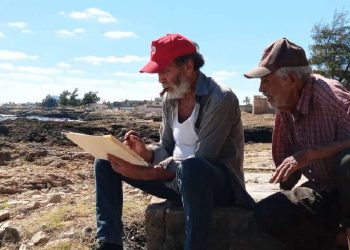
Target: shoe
108 246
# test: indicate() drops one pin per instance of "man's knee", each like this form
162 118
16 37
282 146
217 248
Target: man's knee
102 167
342 168
275 212
192 171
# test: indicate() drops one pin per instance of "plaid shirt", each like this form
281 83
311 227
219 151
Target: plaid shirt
322 116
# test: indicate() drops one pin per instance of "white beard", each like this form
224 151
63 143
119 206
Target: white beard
177 91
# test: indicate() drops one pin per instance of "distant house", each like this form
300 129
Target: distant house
150 106
246 108
260 106
97 107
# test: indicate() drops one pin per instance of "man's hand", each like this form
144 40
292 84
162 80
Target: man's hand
129 170
289 166
137 172
135 143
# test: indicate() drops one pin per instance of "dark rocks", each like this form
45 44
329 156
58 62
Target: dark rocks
8 233
258 134
4 130
32 155
5 157
232 228
4 215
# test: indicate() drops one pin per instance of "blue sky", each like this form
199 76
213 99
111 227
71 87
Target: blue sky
47 47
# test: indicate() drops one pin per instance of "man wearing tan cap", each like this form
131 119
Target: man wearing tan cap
311 137
198 161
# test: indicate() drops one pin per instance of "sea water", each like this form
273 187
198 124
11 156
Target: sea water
40 118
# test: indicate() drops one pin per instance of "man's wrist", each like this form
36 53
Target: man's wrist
149 155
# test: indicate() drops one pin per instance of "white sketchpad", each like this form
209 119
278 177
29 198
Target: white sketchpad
100 146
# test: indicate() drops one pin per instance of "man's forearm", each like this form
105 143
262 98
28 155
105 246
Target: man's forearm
321 152
158 173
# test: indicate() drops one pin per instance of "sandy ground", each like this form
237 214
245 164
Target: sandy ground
47 192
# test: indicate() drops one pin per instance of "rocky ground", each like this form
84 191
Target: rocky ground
47 184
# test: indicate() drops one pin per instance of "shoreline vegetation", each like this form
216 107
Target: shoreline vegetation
47 192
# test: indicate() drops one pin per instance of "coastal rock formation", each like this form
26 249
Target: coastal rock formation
47 183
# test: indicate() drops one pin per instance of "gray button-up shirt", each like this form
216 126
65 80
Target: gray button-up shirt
219 129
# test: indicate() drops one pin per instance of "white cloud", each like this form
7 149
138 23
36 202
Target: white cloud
95 60
23 77
109 89
2 35
18 25
38 70
76 71
146 90
15 55
64 65
74 81
94 13
69 33
132 75
28 69
222 75
7 66
27 31
22 84
119 34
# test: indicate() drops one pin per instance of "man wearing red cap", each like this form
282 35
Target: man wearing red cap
311 137
198 161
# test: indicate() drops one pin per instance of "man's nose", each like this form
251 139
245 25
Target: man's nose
160 78
262 87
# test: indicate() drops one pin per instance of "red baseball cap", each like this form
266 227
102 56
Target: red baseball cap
165 49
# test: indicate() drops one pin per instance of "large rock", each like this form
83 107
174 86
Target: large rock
232 228
9 233
4 215
40 238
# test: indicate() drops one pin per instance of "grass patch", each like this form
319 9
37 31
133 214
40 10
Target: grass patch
58 218
4 206
134 209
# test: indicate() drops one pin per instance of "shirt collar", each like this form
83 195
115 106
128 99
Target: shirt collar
202 84
305 98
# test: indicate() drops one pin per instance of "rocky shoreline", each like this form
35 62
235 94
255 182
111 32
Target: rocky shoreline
47 183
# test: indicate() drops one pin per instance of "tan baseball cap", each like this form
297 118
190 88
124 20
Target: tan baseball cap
281 53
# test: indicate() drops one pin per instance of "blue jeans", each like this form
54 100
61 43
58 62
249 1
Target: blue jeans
201 186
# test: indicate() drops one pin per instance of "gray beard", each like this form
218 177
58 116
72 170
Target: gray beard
178 91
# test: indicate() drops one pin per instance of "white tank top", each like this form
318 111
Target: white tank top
185 135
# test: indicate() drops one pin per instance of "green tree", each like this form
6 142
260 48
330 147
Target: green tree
90 98
49 102
330 53
246 100
63 99
109 104
73 100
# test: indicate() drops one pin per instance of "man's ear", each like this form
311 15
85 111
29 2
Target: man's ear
295 81
189 66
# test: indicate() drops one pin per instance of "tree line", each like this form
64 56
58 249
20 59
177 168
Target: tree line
330 53
67 98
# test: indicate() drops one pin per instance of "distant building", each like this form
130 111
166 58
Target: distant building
150 106
260 106
97 107
246 108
